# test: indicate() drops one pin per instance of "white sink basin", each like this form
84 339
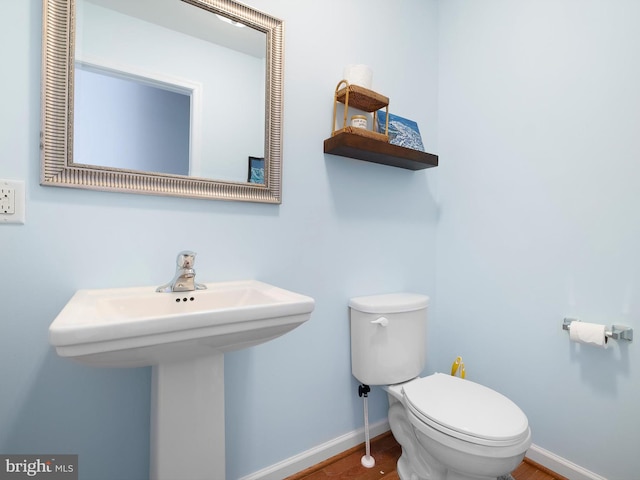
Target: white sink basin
183 337
134 327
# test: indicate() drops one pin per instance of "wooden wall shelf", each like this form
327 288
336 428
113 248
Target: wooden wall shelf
357 146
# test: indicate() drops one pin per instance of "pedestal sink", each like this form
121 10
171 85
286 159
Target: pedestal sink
183 337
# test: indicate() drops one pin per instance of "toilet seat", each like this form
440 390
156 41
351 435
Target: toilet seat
466 410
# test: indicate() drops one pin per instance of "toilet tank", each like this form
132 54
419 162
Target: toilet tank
388 337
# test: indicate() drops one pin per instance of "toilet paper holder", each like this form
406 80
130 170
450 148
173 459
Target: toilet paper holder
617 332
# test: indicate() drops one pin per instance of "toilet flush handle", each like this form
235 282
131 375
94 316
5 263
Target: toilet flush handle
382 321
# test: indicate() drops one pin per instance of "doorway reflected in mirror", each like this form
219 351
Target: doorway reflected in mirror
122 123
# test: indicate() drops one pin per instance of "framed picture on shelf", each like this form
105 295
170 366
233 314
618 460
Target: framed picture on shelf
402 131
256 170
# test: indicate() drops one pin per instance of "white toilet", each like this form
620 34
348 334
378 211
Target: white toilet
449 428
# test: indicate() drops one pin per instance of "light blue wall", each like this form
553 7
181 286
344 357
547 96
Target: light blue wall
345 228
539 117
537 109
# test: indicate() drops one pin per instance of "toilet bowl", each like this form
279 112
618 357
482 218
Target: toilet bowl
456 429
449 428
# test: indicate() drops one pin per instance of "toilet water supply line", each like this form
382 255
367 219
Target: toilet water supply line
367 460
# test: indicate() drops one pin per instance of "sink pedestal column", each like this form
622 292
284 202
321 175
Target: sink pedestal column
187 419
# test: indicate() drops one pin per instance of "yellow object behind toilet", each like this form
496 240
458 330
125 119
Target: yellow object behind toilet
458 366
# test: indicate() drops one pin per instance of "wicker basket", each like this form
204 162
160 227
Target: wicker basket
362 99
363 132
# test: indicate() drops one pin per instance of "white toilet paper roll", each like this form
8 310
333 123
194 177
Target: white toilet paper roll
588 333
360 75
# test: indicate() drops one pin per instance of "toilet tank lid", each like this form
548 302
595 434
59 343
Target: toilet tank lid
389 303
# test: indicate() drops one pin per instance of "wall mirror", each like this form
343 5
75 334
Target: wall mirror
162 97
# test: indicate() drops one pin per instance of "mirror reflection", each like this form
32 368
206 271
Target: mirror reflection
166 87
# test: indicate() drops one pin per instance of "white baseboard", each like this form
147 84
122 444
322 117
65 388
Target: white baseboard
344 442
317 454
560 465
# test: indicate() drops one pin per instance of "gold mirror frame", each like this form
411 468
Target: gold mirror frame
56 136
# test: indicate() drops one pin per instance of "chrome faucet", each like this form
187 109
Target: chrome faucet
185 278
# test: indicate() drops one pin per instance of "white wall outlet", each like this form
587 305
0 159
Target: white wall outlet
12 200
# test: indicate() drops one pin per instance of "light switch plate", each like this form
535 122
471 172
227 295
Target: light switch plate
12 200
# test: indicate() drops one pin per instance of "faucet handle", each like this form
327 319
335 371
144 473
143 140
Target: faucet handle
186 259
